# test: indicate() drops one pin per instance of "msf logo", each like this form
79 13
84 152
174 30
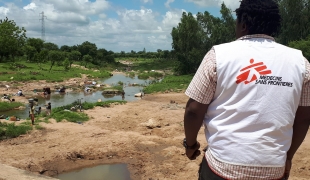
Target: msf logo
252 72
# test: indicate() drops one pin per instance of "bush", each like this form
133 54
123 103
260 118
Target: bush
174 83
6 106
13 131
70 116
150 74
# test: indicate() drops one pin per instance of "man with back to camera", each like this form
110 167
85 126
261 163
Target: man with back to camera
253 96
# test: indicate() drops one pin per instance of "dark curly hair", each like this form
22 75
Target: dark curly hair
260 16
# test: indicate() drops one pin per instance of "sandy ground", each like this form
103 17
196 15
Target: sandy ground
145 134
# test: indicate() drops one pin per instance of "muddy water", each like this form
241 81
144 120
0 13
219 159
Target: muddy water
102 172
60 99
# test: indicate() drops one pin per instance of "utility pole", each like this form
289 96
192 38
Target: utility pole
43 25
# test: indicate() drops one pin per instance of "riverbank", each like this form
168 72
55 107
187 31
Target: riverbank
144 134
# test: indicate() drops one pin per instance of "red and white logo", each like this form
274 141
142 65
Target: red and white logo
252 72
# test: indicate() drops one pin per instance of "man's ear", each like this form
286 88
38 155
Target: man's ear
244 27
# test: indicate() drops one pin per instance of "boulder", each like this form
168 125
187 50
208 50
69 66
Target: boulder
138 95
151 124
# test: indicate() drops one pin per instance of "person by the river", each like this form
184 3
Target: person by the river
31 112
48 109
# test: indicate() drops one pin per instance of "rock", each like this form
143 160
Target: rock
99 100
151 124
138 95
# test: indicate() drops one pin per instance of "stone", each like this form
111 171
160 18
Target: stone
138 95
151 124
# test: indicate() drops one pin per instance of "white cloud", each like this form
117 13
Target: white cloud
233 4
30 6
168 2
147 1
75 21
4 10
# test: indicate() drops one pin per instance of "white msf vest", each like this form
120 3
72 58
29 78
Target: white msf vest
249 121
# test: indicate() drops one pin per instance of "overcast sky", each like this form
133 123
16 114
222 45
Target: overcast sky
117 25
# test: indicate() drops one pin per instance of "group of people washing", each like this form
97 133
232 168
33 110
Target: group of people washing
7 97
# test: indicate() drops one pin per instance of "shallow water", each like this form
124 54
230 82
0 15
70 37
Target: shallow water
60 99
102 172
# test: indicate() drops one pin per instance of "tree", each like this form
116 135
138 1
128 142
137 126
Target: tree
193 37
12 38
88 48
187 39
295 24
55 56
67 64
30 51
36 43
302 45
87 59
41 57
74 56
50 46
65 48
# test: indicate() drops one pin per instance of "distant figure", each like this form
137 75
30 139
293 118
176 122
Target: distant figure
87 89
47 90
38 111
123 95
5 96
48 109
62 89
7 87
31 112
20 93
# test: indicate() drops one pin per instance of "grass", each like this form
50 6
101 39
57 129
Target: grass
150 64
147 75
131 74
26 71
70 116
10 130
6 106
63 113
174 83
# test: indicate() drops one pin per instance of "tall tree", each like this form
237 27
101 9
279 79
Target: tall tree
36 43
12 38
303 45
88 48
55 56
295 25
87 59
74 56
50 46
193 37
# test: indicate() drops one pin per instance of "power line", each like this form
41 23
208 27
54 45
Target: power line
43 26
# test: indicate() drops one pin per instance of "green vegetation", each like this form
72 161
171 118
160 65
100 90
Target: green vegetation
140 64
25 71
147 75
131 74
70 116
10 130
6 106
38 127
63 113
303 45
170 83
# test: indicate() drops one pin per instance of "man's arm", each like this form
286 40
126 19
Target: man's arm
300 129
193 119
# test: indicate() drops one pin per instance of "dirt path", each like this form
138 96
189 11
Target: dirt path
120 135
